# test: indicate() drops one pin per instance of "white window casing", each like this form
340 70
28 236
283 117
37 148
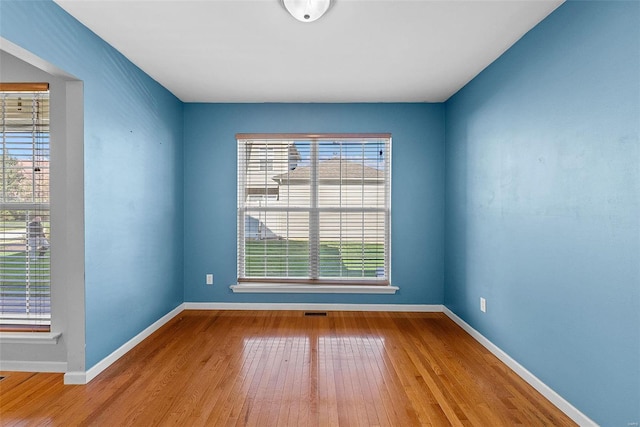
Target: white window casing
25 278
318 217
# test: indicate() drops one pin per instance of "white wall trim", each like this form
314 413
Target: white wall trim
425 308
79 377
75 377
278 288
32 59
67 213
29 337
566 407
27 366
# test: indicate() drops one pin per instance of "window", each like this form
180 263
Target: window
323 214
24 207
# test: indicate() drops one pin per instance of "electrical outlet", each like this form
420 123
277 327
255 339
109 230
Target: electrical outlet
209 279
483 305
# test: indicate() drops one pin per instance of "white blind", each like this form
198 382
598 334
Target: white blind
314 209
24 210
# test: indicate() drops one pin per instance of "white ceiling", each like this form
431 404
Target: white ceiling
360 51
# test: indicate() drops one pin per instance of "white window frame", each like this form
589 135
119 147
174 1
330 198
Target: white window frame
37 309
312 284
44 351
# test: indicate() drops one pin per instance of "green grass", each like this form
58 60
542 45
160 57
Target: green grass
14 272
289 258
356 256
276 258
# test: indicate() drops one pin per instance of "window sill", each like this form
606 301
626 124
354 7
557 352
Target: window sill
311 289
30 337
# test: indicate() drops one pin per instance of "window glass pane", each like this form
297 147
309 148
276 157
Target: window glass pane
24 267
314 209
351 173
24 210
352 244
276 244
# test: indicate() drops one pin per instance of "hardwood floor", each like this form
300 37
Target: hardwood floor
266 368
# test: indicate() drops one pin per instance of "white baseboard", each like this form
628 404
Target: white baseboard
75 377
423 308
566 407
26 366
79 377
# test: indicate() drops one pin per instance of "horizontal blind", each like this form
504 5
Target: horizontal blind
25 290
314 209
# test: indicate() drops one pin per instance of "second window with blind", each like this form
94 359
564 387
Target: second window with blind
25 279
314 209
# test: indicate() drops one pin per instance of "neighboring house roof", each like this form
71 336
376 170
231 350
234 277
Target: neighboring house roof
338 170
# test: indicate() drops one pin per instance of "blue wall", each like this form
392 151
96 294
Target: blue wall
417 199
543 202
133 175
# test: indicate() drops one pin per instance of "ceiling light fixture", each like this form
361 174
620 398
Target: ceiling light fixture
307 10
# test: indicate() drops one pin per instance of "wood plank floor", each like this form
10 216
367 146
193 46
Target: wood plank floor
218 368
